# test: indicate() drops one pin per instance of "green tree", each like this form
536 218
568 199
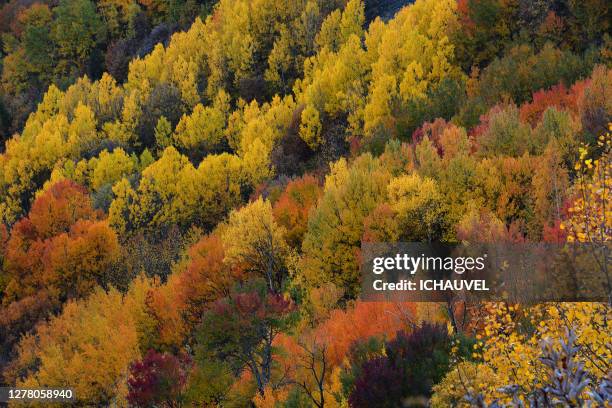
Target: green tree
76 30
335 228
240 330
36 39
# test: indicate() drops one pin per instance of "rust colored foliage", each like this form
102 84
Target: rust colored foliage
178 305
246 308
293 207
554 233
57 209
558 96
432 130
463 10
207 278
326 347
59 252
362 321
63 243
483 226
380 225
20 316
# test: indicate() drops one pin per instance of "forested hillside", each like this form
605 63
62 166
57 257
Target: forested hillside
185 187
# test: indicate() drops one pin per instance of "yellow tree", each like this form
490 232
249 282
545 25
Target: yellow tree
419 207
160 197
340 25
255 243
172 191
334 85
88 347
202 131
109 168
413 54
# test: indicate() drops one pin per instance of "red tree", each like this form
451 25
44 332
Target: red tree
158 380
558 96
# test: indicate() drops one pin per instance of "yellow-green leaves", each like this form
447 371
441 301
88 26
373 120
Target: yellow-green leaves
203 129
335 227
111 167
172 191
419 207
412 54
310 127
89 346
255 242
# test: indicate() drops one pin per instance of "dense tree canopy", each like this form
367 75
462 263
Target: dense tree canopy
185 187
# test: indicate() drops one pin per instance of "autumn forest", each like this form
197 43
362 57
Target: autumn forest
186 185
